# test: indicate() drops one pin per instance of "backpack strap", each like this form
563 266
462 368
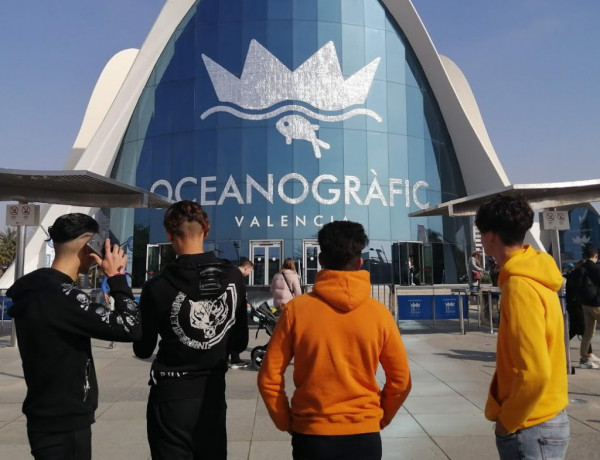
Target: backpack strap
288 284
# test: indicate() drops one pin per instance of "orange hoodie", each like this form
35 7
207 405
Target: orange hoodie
530 384
337 336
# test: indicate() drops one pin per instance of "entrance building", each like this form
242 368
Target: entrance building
279 116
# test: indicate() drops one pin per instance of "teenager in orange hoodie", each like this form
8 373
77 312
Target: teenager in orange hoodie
337 336
529 391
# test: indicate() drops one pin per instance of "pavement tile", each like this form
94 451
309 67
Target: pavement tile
124 410
238 450
450 404
240 420
14 433
275 450
411 449
455 424
468 447
403 426
265 430
10 412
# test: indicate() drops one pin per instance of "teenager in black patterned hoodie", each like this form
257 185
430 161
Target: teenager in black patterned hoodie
54 321
197 305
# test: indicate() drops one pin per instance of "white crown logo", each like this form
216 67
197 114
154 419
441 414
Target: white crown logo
450 304
415 304
318 82
582 240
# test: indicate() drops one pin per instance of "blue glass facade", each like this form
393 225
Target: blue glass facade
279 116
585 229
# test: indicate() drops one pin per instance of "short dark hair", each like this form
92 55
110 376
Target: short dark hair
70 226
589 251
245 262
183 212
341 243
507 216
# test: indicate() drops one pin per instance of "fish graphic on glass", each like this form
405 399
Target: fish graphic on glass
298 127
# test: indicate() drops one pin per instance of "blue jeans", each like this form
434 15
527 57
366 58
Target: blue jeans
547 441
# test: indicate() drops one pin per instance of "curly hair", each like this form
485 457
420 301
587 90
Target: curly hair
185 212
509 217
341 244
70 226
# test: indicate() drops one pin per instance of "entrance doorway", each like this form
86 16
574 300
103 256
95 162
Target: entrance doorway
266 257
310 261
157 256
407 260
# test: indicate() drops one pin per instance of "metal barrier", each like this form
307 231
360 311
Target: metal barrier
437 302
5 303
490 293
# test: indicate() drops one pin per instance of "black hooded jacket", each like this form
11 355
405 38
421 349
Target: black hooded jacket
54 321
198 307
590 283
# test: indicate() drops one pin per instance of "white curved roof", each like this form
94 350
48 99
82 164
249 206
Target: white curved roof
478 162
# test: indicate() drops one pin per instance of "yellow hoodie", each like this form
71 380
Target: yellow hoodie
337 336
530 384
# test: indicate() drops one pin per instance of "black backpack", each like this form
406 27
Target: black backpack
572 291
588 291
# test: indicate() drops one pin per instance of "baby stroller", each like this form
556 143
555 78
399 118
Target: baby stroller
266 319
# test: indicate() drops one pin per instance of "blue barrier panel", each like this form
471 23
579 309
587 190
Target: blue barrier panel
446 306
7 304
414 307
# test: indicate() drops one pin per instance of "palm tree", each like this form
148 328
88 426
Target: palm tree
8 246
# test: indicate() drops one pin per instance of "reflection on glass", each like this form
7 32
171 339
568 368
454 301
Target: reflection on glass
259 266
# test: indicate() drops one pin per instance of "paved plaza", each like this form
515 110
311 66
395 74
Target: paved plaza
442 417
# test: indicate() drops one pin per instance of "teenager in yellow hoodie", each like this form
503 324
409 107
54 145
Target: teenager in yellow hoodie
529 390
337 336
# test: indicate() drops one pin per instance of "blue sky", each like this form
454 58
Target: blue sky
533 66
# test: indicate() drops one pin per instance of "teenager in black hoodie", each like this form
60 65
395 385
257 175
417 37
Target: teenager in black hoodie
54 321
198 307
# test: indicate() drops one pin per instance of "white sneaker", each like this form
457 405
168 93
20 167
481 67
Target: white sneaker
594 358
588 365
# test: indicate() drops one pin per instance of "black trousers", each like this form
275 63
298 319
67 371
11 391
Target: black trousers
66 445
191 428
365 446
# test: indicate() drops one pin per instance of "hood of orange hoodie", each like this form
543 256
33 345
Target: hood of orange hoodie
531 263
343 290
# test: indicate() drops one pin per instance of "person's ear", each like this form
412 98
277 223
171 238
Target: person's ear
359 263
169 236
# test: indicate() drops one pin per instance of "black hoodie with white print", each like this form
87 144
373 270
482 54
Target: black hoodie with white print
197 305
54 321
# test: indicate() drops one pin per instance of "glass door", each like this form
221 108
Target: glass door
408 262
157 256
310 261
266 256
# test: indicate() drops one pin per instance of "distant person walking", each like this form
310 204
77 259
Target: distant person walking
285 284
476 270
574 307
55 320
529 392
197 305
337 335
589 294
